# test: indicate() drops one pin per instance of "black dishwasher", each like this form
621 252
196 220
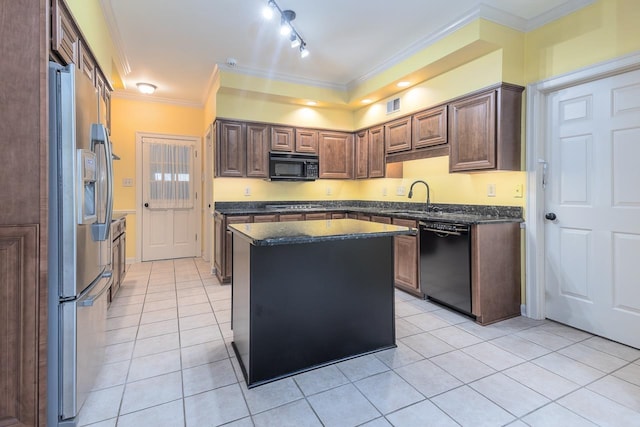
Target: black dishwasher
445 264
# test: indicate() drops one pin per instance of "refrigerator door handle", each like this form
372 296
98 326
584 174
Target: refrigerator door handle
99 136
88 302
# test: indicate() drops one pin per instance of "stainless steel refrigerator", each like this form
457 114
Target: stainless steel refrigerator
80 211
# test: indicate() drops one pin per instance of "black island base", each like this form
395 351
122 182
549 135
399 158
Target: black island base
309 300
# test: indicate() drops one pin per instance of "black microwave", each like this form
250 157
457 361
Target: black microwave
293 166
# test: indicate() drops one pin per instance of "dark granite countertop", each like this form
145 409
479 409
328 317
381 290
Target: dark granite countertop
286 233
464 214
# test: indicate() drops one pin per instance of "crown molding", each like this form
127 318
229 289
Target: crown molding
121 94
287 78
121 58
557 13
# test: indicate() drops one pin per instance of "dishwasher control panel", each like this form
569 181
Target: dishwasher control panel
444 226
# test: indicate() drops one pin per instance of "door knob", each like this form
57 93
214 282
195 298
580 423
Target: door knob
551 216
146 205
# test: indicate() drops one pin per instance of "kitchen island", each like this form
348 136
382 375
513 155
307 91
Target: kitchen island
310 293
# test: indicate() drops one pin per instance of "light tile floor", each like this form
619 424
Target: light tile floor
169 363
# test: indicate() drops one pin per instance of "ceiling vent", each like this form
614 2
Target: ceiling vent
393 105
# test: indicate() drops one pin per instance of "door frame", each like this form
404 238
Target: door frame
196 179
537 95
207 194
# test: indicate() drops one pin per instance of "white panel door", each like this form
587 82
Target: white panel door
592 248
169 216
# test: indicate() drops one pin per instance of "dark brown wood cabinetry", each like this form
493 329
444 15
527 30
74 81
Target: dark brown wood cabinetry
369 153
231 156
257 150
430 127
291 217
118 255
484 130
86 62
306 141
223 244
407 259
265 218
397 135
24 41
64 34
495 271
316 216
336 155
282 138
376 153
362 154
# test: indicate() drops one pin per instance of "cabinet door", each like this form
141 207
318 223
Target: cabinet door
472 133
376 152
64 35
362 154
336 155
232 149
265 218
228 250
281 138
430 127
381 219
316 215
338 215
86 62
307 141
406 259
363 217
219 245
257 150
398 135
291 217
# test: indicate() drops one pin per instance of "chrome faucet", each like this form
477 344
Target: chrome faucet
428 191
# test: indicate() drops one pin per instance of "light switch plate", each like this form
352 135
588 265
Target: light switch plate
491 190
400 190
517 191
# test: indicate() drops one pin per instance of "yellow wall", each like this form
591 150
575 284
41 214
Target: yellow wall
130 116
89 17
602 31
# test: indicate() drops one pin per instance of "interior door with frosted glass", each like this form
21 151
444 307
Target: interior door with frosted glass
169 194
592 204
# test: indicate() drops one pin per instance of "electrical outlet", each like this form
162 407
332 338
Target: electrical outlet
384 191
247 191
400 190
329 191
491 190
127 182
517 191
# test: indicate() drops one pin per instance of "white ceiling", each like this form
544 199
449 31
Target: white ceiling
176 44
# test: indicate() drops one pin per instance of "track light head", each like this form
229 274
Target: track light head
295 41
304 52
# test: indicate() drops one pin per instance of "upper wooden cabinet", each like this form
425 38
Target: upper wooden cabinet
282 138
306 141
376 152
257 150
86 62
484 130
362 154
336 155
369 153
398 135
64 33
430 127
231 154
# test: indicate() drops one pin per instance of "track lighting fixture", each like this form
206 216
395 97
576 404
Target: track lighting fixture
286 27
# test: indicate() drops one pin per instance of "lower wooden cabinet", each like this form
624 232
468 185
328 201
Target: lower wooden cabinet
407 259
223 244
316 215
118 255
495 271
265 218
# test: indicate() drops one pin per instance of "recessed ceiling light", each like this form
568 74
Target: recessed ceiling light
367 101
146 88
312 103
403 84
